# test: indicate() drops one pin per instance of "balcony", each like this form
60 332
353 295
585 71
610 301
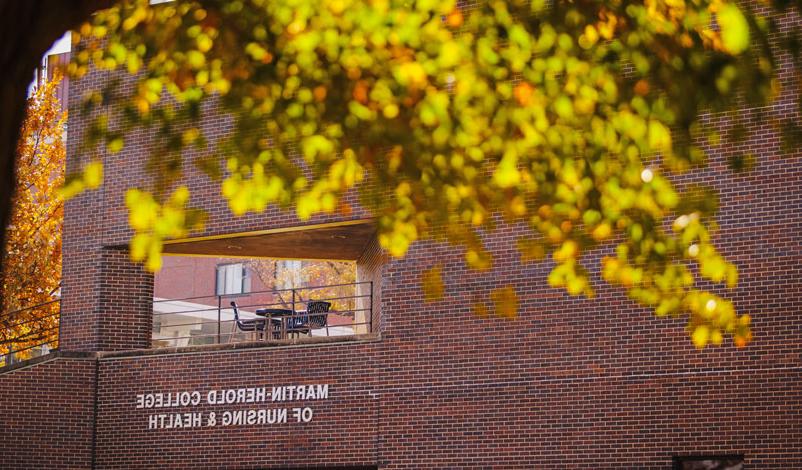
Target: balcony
335 310
278 315
288 284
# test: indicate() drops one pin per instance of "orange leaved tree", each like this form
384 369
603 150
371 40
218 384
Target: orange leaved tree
31 270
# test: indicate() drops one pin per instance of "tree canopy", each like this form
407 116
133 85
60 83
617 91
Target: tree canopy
569 117
31 269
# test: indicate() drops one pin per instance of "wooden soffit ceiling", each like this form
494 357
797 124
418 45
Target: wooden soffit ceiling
333 241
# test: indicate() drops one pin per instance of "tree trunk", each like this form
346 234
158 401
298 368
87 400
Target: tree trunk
27 30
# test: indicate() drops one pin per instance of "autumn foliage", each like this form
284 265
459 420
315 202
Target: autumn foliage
331 281
31 271
572 118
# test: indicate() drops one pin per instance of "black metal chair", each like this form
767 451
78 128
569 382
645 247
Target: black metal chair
256 325
298 324
318 321
304 322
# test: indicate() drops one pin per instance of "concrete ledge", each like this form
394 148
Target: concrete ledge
49 357
244 345
314 341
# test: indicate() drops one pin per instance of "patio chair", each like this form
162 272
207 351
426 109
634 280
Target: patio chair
318 321
304 322
257 325
298 324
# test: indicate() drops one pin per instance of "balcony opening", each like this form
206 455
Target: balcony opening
295 284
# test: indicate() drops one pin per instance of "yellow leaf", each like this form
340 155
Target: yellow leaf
700 336
506 301
531 250
411 74
154 263
734 29
390 111
71 189
196 59
659 136
115 145
716 337
478 259
591 35
93 175
138 246
480 310
567 251
602 232
432 284
180 196
507 174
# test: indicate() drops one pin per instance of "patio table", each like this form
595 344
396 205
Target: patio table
278 316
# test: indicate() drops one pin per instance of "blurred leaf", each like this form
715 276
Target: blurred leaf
734 28
505 301
432 284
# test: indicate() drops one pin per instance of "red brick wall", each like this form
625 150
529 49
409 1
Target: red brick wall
182 277
125 303
571 383
83 229
396 406
342 430
46 415
581 422
106 299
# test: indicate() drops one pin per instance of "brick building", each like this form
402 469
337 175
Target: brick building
570 383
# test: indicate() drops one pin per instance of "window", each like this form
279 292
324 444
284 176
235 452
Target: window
290 274
233 279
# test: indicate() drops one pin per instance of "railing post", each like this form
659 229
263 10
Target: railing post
370 322
219 307
292 317
58 336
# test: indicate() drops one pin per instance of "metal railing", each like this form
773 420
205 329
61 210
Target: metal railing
263 315
29 332
34 331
